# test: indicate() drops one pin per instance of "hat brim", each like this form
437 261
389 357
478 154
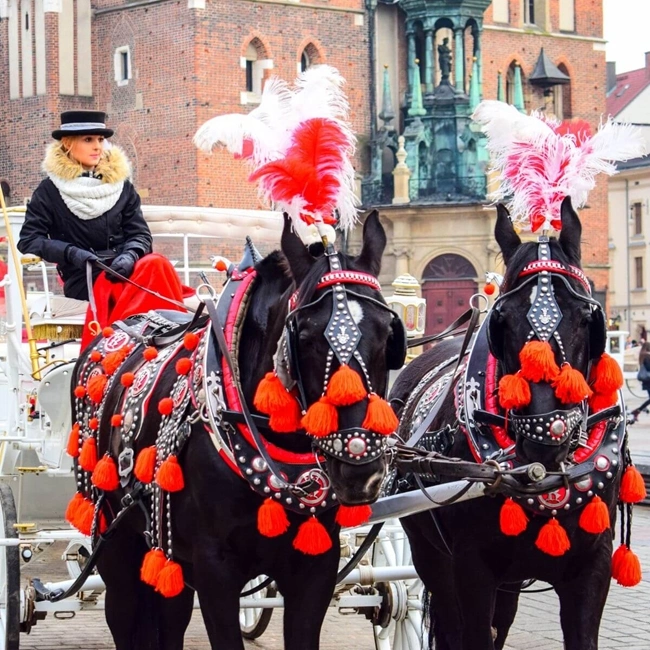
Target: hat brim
62 133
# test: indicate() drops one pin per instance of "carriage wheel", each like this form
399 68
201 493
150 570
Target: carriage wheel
254 621
9 574
397 624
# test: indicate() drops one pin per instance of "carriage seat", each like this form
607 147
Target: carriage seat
65 321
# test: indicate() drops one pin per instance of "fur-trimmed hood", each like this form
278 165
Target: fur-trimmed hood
113 166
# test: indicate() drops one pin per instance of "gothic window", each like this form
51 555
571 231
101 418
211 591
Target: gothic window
255 62
562 98
638 273
310 56
449 267
122 65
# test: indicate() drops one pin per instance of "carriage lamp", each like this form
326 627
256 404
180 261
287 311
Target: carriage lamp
406 303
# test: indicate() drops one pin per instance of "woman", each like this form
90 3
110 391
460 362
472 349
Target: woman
644 362
88 210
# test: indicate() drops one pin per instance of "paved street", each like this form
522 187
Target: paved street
626 621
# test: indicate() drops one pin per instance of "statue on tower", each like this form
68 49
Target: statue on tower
444 60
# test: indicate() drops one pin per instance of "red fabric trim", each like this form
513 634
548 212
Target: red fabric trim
594 442
553 266
492 402
276 453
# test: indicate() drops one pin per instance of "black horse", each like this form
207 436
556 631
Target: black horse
473 570
211 525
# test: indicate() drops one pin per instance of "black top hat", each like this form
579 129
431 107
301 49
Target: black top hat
82 123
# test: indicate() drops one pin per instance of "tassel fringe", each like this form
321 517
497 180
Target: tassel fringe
632 486
272 519
570 386
607 375
105 475
538 362
170 580
170 475
514 392
351 516
145 464
312 538
553 539
73 441
321 418
626 567
380 417
152 565
595 517
346 387
88 455
512 518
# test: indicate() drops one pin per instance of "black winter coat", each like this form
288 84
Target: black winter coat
50 227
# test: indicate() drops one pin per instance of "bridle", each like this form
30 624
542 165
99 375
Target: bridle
355 445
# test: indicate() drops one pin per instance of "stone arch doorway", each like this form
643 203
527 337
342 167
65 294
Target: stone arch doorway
448 282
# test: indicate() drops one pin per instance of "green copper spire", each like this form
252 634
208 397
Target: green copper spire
474 91
387 113
417 108
501 96
518 96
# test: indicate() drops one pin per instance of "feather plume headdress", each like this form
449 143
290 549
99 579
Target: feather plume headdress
541 161
299 146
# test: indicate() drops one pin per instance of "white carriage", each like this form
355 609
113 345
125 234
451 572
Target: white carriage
39 332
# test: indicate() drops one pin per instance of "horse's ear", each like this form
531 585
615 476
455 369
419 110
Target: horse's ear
571 232
505 234
374 242
300 261
597 333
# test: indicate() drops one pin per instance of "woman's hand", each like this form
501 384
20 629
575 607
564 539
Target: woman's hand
79 257
123 264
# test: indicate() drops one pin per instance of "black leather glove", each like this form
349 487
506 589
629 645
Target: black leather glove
78 257
123 264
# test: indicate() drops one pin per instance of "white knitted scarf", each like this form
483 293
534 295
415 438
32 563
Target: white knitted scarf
88 198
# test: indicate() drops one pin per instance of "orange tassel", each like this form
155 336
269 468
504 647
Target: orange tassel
538 361
321 418
570 386
170 475
149 353
80 391
600 401
552 539
271 396
96 356
88 455
72 511
96 386
312 538
152 564
380 417
512 518
287 420
351 516
190 341
93 424
73 441
272 520
514 392
183 366
595 517
116 420
166 406
105 474
346 387
632 486
607 375
170 580
145 464
85 517
626 567
114 360
107 332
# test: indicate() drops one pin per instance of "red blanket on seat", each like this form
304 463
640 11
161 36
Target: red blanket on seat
119 300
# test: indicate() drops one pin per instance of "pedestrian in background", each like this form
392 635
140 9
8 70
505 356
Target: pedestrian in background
644 377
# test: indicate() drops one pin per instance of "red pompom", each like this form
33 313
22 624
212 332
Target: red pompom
88 455
351 516
107 332
114 360
595 517
607 375
145 464
600 401
105 474
93 424
96 356
190 341
287 420
73 441
570 386
170 580
116 420
626 567
538 361
152 564
489 289
96 387
271 396
170 475
272 519
312 538
632 488
150 353
380 417
512 518
553 539
166 406
127 379
183 366
72 510
80 391
514 392
321 418
346 387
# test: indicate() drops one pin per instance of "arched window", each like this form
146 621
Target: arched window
310 56
562 98
255 59
510 84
